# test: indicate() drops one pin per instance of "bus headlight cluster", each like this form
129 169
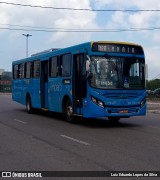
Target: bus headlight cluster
143 102
98 102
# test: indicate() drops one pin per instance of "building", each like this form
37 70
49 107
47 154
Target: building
1 71
5 81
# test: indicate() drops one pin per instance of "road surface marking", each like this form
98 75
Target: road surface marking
20 121
76 140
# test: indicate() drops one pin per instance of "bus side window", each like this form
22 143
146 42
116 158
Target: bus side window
28 70
36 69
22 71
53 67
15 72
66 65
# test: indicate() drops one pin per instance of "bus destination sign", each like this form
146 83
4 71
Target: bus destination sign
117 48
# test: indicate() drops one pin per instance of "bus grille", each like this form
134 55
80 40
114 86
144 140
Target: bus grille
130 110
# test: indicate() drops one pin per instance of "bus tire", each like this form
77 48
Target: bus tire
114 119
68 112
29 105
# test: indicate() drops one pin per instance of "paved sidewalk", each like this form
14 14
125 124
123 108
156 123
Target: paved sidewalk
153 106
154 111
5 93
153 102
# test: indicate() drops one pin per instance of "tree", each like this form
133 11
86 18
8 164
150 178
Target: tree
153 84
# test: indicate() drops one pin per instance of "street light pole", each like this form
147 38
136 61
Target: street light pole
27 35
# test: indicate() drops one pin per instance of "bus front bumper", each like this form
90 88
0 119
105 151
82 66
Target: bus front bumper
94 111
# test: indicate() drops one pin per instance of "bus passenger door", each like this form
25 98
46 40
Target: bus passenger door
44 84
79 83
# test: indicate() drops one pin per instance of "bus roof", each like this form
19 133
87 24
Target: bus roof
56 51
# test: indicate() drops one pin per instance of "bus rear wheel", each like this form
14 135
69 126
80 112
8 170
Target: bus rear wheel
68 112
29 105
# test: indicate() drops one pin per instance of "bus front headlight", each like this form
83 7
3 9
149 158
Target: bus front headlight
143 102
97 102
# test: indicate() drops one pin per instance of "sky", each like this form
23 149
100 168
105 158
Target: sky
14 20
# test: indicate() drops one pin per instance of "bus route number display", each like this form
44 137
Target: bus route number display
117 48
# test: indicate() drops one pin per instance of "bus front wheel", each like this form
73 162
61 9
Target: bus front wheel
68 112
29 105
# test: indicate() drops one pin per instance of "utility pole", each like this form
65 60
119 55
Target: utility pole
27 35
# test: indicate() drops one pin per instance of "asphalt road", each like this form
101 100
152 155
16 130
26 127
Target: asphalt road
45 142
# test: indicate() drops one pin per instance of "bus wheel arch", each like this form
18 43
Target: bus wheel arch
67 109
29 103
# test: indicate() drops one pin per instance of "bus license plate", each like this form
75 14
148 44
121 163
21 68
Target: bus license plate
123 111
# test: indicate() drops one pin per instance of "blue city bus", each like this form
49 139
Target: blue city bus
91 80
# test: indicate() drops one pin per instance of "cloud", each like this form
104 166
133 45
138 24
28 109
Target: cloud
74 20
14 42
152 59
64 19
124 4
134 19
148 39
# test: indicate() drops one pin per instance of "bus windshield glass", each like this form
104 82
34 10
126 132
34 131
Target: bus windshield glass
117 72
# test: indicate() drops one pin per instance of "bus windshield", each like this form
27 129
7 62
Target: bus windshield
117 72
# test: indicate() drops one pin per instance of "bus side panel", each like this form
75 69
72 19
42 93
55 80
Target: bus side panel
35 93
17 90
57 91
55 88
66 91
